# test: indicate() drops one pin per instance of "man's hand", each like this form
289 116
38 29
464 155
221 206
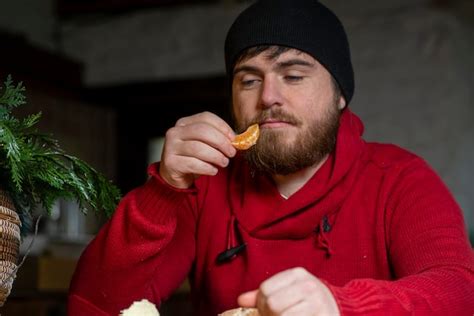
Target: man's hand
195 146
291 292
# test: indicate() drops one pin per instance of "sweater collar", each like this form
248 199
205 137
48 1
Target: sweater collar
259 208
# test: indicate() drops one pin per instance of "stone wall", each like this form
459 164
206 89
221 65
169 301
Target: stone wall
32 19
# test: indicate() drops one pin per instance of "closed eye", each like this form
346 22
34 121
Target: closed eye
249 83
293 79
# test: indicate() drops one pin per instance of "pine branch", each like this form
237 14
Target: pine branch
12 97
11 144
36 171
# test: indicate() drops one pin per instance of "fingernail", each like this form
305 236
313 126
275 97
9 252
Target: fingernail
225 162
232 151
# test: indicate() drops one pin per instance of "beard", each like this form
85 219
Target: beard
274 155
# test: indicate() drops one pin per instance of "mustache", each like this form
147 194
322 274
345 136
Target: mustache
275 114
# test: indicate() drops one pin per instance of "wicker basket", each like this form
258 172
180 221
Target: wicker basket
9 245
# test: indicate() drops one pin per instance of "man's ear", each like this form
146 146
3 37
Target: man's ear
341 103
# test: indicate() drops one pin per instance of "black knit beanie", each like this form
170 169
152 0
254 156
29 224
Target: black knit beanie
306 25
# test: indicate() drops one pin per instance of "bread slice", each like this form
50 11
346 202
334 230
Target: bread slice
241 311
141 308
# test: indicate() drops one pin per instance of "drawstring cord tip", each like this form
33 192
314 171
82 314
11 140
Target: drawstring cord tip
230 253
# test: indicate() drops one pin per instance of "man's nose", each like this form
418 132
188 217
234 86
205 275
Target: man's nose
270 93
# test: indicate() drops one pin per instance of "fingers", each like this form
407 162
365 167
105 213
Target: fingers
204 133
193 167
283 280
291 297
197 145
304 308
292 292
205 153
208 118
248 299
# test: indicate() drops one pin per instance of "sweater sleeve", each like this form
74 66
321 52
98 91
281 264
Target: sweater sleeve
144 251
431 258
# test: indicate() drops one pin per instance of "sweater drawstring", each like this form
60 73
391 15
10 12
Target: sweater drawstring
322 230
231 240
233 246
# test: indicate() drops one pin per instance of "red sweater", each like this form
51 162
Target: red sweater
375 223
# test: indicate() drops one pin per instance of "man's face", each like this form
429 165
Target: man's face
293 99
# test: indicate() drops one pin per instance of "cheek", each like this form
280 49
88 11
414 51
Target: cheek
236 107
243 105
317 99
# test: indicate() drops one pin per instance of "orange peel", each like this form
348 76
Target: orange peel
247 139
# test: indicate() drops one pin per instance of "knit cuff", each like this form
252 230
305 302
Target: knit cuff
157 200
356 298
80 306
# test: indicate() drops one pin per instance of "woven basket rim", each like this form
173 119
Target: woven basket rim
6 200
9 215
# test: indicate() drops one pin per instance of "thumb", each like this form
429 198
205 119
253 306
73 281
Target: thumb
248 299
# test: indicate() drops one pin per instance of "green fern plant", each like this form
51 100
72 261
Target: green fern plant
35 171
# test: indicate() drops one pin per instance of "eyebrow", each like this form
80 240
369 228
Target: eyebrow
279 66
293 62
245 68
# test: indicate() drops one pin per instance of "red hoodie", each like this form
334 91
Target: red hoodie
375 223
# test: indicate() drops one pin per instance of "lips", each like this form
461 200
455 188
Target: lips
274 123
275 117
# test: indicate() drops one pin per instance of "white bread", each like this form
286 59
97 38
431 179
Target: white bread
241 311
141 308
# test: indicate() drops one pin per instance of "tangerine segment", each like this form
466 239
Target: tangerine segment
247 139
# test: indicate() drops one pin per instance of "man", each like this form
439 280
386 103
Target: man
312 220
